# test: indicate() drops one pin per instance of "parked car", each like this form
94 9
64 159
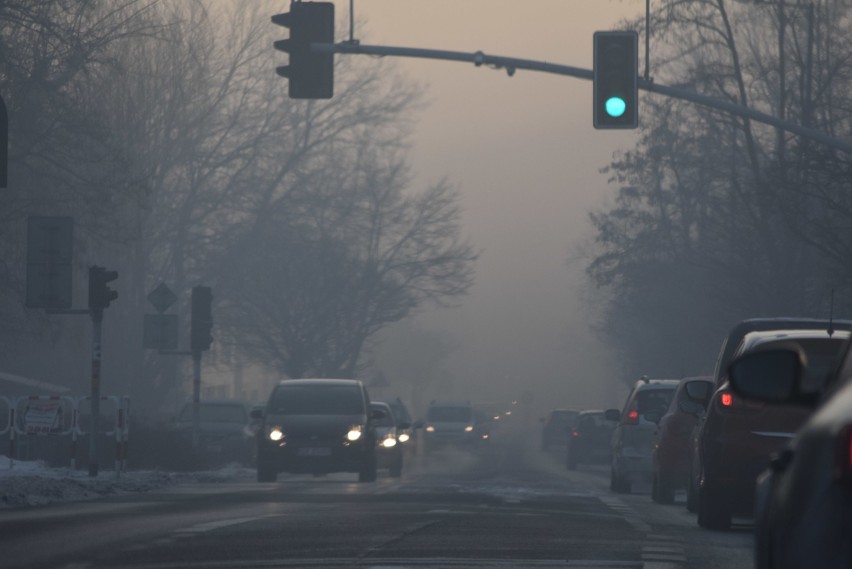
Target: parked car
670 454
803 514
556 428
739 436
317 426
633 437
226 431
449 423
388 447
730 344
589 440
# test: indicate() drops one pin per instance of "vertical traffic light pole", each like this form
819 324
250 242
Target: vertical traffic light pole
94 428
100 295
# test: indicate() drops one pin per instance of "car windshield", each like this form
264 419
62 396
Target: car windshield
317 400
212 413
450 414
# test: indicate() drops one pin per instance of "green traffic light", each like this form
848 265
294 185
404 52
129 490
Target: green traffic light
615 106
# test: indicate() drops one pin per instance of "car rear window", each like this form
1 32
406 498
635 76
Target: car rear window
654 400
317 400
450 414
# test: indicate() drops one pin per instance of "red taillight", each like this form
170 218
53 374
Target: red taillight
575 434
843 457
632 417
726 399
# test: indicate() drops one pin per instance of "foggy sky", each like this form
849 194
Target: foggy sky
526 159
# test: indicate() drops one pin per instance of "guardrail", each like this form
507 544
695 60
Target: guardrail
60 415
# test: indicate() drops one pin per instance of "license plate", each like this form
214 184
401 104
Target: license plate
314 451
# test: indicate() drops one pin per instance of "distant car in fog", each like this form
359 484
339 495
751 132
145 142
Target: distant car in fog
633 438
556 428
389 452
803 514
225 431
738 437
318 426
589 439
449 423
670 453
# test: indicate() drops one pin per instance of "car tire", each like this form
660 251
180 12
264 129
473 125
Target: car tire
368 471
713 512
618 483
662 490
396 468
266 473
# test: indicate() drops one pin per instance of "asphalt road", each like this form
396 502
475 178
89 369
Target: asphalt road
506 505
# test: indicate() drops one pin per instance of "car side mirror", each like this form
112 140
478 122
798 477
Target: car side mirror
698 391
612 415
256 414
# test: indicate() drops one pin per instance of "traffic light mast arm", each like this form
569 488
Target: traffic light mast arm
510 64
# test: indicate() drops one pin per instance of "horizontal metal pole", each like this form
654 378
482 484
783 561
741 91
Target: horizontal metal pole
511 64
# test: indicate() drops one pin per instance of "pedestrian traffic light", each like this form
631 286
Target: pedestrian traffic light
100 295
201 320
616 74
311 74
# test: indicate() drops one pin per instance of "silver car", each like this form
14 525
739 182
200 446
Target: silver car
633 438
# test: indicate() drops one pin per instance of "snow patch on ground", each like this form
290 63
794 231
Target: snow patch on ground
31 483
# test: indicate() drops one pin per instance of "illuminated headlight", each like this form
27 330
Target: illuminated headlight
276 434
404 438
389 442
469 428
430 429
354 433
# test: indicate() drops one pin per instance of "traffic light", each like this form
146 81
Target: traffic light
311 74
616 73
100 295
201 320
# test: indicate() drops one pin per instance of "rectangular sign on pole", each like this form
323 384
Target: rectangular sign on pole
49 249
161 332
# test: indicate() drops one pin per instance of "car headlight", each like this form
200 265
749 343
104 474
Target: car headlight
430 429
404 438
276 434
354 433
469 428
389 441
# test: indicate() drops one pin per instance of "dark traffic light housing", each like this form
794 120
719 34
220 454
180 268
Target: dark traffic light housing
100 295
201 320
311 74
616 75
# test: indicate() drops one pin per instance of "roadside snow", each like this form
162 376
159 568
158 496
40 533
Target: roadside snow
34 484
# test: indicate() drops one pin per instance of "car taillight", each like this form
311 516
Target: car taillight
843 457
575 434
726 399
632 417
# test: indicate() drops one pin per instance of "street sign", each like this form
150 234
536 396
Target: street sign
162 297
160 332
49 248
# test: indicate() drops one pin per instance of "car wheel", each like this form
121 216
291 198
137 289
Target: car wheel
266 474
662 490
618 483
396 467
368 471
713 512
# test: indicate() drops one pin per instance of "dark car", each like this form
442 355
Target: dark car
803 514
404 424
317 426
589 440
730 344
556 426
388 448
738 436
633 438
449 424
226 431
670 454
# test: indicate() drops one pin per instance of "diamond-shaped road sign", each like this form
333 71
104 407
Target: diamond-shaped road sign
162 297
